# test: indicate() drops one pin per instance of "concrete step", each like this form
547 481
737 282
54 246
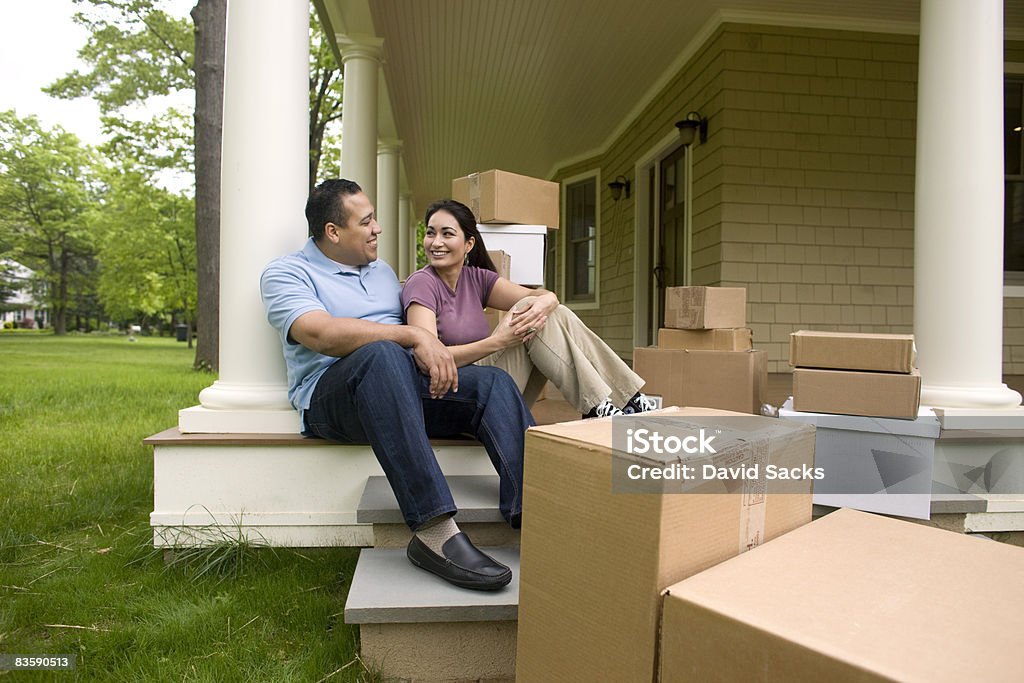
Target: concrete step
405 614
476 496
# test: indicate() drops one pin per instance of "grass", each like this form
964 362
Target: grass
78 574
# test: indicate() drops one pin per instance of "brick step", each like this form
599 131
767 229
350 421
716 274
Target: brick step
476 496
405 614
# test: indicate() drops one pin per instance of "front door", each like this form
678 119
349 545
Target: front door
670 254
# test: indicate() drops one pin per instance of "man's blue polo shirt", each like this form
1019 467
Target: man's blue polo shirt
309 281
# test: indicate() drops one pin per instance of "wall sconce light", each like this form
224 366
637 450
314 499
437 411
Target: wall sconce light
689 127
617 185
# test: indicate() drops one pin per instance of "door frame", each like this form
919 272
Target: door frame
646 235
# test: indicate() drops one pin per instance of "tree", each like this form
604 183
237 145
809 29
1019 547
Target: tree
46 189
326 93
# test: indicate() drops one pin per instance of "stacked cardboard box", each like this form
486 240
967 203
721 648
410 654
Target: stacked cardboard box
514 213
851 597
594 560
855 374
705 354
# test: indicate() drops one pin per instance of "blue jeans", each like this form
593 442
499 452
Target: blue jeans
377 395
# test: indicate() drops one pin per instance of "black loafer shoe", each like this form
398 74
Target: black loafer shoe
462 565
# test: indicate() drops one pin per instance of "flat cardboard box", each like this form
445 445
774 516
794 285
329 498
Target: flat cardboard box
849 392
502 197
594 562
875 464
728 380
735 339
852 351
702 308
502 261
851 597
525 246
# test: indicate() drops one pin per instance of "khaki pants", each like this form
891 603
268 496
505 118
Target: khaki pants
576 360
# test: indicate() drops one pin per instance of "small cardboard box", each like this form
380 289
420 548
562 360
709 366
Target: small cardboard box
503 197
852 351
851 597
502 261
525 246
874 464
594 562
702 308
736 339
728 380
849 392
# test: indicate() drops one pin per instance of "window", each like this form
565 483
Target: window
1013 158
581 241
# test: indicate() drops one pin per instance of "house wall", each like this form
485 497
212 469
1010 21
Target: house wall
804 192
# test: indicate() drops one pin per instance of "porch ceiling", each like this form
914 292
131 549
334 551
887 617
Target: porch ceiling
527 85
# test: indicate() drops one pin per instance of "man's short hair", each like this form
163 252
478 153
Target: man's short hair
326 204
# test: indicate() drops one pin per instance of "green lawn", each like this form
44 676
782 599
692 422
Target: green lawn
78 574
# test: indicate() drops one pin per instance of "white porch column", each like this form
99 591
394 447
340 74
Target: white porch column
406 246
361 59
958 234
263 183
390 239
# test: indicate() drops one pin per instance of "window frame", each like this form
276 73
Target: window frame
594 301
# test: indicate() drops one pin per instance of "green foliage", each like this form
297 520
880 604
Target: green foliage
326 92
135 50
47 185
147 245
79 572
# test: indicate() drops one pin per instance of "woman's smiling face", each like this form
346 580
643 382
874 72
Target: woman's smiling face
444 242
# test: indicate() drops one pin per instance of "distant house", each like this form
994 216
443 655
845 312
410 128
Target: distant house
24 304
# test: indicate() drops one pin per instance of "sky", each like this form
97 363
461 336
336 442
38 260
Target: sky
39 43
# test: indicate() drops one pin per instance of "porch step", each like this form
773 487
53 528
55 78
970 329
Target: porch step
405 614
476 496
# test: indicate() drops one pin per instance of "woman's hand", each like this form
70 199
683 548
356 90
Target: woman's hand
531 314
505 335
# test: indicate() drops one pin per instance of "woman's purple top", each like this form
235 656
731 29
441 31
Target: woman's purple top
460 314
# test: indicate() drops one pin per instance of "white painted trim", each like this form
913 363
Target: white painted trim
564 236
643 278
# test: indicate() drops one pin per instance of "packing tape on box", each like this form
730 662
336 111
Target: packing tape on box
474 194
690 305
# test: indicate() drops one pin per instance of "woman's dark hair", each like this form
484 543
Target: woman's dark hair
467 221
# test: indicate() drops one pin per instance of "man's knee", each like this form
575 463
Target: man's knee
381 358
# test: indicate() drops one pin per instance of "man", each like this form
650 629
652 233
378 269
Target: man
358 375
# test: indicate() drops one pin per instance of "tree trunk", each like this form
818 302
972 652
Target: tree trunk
210 19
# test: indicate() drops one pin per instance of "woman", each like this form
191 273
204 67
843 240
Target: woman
540 340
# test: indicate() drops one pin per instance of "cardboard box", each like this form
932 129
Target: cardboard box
525 246
849 392
736 339
702 308
594 562
851 597
503 197
728 380
502 261
852 351
874 464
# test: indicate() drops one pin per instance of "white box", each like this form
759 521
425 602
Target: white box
871 463
524 243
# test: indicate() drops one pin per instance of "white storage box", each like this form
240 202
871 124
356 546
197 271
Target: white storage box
524 243
871 463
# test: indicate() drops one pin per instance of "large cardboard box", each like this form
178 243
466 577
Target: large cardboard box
701 308
728 380
847 392
503 197
852 351
874 464
851 597
525 246
594 561
736 339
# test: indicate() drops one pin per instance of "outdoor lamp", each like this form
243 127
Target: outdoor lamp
617 185
689 126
